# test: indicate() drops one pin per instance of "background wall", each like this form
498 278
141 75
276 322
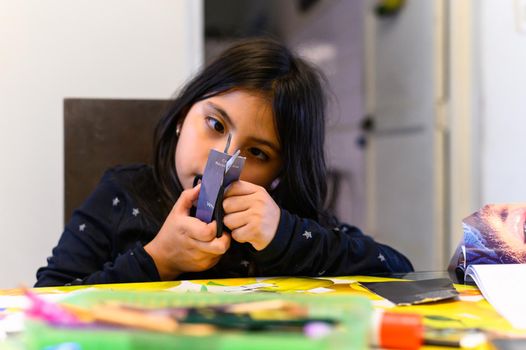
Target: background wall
59 48
488 106
502 100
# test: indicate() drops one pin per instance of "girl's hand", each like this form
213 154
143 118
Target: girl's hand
251 214
184 243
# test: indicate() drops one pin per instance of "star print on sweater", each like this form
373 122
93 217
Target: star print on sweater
307 234
111 249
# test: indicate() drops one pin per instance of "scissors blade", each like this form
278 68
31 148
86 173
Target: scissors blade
228 143
231 161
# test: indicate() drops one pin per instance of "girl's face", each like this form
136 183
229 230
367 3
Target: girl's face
507 223
244 114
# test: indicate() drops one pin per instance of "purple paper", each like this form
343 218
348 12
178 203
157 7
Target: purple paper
213 177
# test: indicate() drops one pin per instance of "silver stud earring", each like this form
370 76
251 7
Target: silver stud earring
178 130
274 184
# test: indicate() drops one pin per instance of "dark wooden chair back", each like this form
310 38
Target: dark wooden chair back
101 133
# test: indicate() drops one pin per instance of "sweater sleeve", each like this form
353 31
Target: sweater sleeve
93 249
304 247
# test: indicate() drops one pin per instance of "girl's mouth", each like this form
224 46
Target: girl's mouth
516 224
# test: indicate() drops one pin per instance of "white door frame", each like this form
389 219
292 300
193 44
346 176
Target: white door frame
464 154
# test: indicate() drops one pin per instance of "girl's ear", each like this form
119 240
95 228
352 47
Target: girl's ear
179 125
178 129
274 184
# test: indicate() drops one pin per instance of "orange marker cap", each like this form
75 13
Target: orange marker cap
401 331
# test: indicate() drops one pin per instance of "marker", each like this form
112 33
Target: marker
406 331
397 330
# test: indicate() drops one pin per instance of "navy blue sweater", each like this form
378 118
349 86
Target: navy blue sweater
104 240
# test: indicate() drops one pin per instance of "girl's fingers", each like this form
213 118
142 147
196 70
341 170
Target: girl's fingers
241 188
236 220
237 203
241 234
215 247
198 230
186 200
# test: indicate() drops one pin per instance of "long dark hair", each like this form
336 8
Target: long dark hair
298 103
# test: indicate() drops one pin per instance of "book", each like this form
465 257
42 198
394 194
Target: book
495 234
492 254
504 287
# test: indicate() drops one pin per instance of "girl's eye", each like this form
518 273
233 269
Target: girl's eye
504 214
215 124
256 152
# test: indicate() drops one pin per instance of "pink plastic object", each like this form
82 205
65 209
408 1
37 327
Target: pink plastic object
49 312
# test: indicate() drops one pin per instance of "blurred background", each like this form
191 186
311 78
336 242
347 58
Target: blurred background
426 114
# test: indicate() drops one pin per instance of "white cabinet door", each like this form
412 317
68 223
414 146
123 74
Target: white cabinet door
404 153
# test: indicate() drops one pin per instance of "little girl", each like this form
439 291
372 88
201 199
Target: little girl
137 224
